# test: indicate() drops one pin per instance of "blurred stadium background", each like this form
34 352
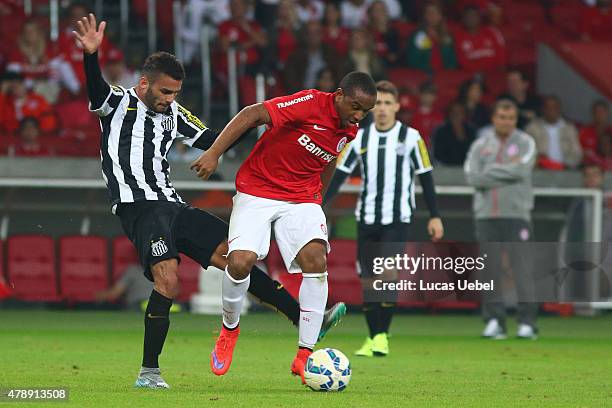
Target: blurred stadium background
60 244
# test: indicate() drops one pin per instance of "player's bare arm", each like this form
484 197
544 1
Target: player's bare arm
88 34
327 175
249 117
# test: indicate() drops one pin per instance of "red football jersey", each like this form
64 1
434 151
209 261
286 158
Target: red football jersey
287 161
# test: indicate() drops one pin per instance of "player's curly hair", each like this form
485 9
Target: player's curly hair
163 62
356 80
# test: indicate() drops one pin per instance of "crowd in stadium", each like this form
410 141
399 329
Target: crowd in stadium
450 59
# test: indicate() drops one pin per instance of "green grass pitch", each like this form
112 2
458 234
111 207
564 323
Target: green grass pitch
435 361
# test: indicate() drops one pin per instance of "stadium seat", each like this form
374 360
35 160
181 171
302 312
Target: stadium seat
2 271
344 283
189 278
124 254
447 84
83 267
407 78
31 268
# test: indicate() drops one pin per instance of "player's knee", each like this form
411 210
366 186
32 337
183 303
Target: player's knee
313 258
165 275
240 264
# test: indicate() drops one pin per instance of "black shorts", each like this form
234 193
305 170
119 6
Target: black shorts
372 241
161 230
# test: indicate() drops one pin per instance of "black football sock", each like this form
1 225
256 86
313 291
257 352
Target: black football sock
273 294
372 311
386 314
156 323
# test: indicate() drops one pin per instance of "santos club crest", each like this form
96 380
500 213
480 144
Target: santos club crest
167 123
159 247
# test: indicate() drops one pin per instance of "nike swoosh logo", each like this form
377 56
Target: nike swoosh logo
232 240
304 310
317 127
150 316
216 362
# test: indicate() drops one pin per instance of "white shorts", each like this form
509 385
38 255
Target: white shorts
295 225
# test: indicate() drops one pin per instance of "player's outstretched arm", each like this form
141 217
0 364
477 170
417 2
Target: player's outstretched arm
249 117
89 36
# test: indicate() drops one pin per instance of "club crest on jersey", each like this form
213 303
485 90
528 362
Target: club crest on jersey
168 123
341 144
159 247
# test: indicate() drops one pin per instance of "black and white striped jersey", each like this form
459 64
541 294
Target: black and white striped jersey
135 142
388 161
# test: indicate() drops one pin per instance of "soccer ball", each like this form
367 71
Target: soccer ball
327 370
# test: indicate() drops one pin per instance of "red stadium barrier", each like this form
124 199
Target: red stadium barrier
31 268
83 267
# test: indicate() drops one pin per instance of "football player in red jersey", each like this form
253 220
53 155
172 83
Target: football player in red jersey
283 182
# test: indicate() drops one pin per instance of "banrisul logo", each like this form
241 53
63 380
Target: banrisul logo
305 141
159 247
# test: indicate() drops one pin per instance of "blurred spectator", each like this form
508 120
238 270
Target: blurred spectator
362 55
309 10
556 139
334 34
596 22
470 95
592 134
452 140
426 118
29 140
326 81
603 153
32 57
117 73
310 58
386 38
132 286
194 15
285 32
354 13
518 91
479 49
247 36
431 47
73 75
17 103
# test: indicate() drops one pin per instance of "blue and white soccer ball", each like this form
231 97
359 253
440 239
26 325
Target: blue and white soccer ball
327 370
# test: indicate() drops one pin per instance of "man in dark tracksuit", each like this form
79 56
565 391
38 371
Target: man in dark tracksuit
499 165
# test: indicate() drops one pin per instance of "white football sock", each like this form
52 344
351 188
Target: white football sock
233 292
313 298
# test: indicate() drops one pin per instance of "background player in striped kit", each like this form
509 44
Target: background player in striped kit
389 154
138 127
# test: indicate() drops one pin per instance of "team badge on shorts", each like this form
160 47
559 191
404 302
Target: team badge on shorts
159 247
341 144
167 123
324 228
